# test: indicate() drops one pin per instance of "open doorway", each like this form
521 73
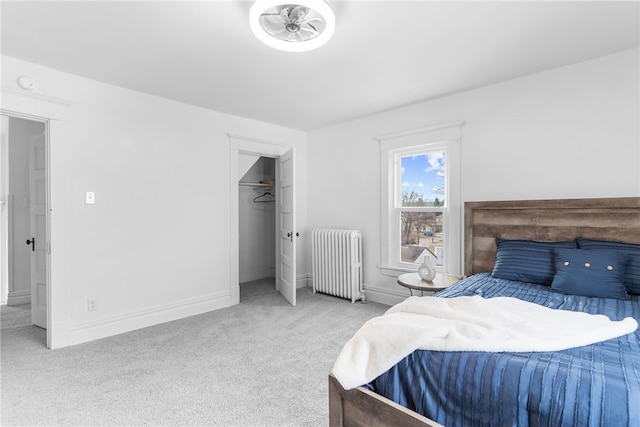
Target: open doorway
24 220
243 154
257 220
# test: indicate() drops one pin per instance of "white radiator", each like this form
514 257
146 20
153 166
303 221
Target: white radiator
336 263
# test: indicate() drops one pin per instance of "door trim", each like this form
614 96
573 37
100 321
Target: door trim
246 145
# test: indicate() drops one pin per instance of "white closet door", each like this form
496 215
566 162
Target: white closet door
287 273
38 227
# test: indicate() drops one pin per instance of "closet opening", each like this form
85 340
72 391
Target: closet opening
257 208
24 223
269 240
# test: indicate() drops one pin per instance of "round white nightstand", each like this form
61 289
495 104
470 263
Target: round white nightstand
413 281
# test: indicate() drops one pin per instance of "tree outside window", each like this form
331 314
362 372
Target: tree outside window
422 205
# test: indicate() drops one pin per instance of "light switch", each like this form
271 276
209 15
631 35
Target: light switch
90 198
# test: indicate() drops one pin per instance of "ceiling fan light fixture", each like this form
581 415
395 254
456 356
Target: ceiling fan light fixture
299 26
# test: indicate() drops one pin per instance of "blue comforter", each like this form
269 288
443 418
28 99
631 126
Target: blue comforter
595 385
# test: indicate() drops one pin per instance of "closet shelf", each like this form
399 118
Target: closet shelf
256 184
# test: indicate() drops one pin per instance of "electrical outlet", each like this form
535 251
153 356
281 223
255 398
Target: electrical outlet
92 304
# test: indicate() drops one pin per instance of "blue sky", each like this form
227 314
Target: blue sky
424 174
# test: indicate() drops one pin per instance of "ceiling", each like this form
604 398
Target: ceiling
384 54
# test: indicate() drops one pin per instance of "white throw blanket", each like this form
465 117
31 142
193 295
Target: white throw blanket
474 323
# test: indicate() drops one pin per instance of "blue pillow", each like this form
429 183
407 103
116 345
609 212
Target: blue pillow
632 274
527 260
592 273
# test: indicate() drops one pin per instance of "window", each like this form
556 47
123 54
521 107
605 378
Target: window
421 209
420 204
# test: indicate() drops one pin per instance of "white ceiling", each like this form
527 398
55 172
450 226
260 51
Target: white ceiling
384 54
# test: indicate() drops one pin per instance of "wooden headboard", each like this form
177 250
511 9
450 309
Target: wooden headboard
615 219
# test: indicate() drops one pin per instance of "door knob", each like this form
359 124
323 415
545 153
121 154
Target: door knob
32 242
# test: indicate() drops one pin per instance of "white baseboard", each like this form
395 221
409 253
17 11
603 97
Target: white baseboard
385 295
303 280
377 294
19 297
105 327
251 274
59 334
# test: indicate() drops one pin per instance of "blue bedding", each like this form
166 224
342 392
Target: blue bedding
595 385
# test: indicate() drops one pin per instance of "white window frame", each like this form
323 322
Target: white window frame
444 137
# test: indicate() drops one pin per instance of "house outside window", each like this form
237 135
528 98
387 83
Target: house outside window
421 204
421 213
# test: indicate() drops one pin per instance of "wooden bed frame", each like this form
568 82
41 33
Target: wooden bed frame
615 219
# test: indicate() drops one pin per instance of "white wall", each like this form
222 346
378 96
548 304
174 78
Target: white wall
571 132
155 246
18 209
19 288
257 236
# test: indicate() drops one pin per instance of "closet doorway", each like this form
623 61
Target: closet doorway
262 217
257 220
24 261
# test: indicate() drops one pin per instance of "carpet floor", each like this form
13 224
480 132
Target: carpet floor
260 363
15 316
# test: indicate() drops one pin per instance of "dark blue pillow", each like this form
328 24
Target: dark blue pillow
632 274
527 260
592 273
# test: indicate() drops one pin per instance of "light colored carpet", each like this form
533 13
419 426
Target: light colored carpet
15 316
260 363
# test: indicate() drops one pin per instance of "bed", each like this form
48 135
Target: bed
598 384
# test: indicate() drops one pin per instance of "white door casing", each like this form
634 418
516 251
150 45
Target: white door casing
247 145
4 203
38 228
54 113
286 199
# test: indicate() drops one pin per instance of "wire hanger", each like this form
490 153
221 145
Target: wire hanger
257 199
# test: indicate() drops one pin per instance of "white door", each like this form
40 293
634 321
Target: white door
38 225
287 273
